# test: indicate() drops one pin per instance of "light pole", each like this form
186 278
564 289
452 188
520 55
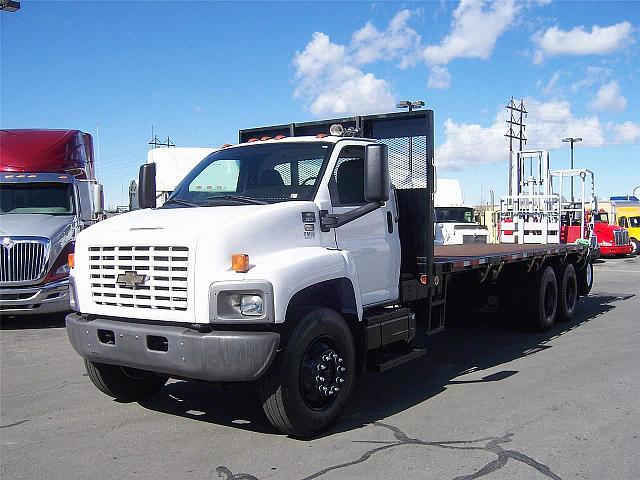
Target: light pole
572 140
410 105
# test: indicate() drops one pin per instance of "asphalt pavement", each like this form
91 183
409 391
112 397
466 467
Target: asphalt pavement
487 401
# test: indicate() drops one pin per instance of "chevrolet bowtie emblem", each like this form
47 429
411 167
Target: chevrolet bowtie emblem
7 243
131 279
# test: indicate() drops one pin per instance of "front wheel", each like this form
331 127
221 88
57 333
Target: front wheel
124 383
310 382
636 246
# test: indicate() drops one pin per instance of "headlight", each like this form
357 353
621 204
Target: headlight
252 305
244 301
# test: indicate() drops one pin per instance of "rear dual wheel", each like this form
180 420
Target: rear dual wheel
543 303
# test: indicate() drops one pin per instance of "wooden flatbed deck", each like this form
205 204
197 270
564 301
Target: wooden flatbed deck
449 258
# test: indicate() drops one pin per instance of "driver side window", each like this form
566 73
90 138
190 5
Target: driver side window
346 185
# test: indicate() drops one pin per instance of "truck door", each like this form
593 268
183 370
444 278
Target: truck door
373 238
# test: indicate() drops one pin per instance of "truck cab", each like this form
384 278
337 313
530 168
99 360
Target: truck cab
625 211
454 220
613 239
41 213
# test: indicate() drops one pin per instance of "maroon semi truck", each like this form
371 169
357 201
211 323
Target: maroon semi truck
48 193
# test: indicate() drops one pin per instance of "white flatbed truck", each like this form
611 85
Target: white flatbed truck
313 263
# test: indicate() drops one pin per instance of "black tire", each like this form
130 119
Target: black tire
568 293
292 398
543 302
123 383
636 246
585 279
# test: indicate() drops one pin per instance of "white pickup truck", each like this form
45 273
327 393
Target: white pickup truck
293 261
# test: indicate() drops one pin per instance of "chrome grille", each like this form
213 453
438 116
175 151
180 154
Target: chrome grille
620 237
23 260
163 268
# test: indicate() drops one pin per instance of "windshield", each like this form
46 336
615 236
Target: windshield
263 173
44 198
454 215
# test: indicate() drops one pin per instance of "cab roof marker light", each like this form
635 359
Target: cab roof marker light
280 137
227 145
240 262
265 138
20 176
321 135
31 176
251 140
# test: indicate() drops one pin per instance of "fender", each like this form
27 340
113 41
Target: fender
292 270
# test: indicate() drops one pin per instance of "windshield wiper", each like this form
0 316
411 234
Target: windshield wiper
239 198
179 201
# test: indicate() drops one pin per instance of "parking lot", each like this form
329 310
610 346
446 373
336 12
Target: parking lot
487 401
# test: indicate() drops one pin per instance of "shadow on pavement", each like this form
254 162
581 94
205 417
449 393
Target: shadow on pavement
466 346
26 322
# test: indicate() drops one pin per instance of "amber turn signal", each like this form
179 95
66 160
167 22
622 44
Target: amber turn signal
71 260
240 262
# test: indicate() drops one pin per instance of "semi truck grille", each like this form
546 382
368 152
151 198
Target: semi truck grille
620 237
23 260
472 239
139 276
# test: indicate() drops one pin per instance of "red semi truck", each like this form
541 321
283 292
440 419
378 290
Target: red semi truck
48 193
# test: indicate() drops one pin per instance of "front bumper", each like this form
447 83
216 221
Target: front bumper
616 250
39 299
216 356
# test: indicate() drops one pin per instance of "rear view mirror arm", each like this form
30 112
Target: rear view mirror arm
335 220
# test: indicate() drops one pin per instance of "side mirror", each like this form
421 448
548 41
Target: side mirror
97 198
147 186
376 173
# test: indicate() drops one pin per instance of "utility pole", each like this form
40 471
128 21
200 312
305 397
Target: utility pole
511 135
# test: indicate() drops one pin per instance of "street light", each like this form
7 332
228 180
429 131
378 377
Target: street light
572 140
9 5
410 105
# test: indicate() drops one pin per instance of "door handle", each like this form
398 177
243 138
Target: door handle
389 222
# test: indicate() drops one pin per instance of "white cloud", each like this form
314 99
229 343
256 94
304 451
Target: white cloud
397 41
331 84
627 132
592 75
578 41
550 87
609 98
475 29
439 77
547 124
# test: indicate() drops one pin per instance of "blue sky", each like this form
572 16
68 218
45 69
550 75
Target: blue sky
199 71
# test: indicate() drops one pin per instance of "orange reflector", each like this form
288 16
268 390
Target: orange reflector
262 139
227 145
71 260
321 135
240 262
280 137
424 279
252 140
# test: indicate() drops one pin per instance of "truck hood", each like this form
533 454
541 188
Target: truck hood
194 220
35 225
